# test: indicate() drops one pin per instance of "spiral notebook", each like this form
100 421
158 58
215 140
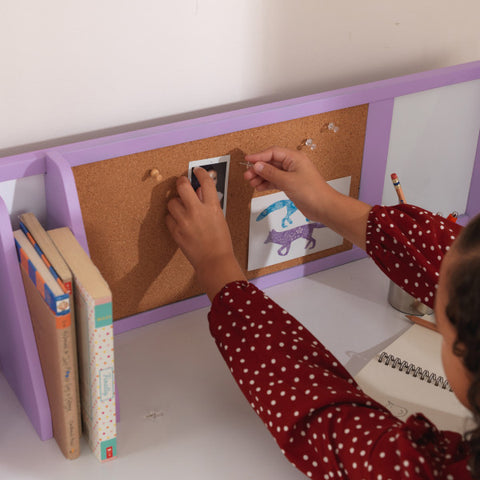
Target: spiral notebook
408 377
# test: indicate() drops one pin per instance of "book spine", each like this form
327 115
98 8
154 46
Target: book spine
70 391
59 304
106 408
66 287
98 402
55 343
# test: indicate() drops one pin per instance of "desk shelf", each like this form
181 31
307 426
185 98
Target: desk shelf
18 354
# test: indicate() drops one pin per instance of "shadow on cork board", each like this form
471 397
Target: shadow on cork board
124 204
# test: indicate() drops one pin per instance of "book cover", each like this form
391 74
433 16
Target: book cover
93 308
56 348
44 246
408 377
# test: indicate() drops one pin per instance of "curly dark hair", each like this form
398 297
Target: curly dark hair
463 311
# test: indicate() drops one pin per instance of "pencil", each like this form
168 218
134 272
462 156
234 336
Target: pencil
422 322
453 217
398 187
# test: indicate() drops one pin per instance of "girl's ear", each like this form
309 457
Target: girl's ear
459 349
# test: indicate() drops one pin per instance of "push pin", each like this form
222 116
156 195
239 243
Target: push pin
333 128
308 142
154 173
247 164
154 415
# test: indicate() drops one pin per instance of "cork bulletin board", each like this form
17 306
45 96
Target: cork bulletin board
124 207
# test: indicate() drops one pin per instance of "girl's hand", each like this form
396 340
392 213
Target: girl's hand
197 224
294 173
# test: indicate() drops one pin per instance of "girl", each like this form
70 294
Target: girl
325 425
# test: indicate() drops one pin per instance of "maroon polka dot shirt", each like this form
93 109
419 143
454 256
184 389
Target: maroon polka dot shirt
325 425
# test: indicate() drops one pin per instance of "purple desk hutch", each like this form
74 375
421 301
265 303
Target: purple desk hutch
18 353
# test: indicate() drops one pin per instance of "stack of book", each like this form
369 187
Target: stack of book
70 306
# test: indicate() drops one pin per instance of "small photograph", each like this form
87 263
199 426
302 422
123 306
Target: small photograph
217 168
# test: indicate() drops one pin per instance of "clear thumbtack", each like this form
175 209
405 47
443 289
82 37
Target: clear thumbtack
333 128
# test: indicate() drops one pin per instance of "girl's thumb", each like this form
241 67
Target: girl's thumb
270 173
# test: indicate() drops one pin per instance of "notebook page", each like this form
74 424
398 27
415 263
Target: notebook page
404 394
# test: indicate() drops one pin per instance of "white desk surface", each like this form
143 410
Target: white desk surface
204 428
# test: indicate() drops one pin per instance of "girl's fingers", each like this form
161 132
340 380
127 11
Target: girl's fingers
208 191
257 182
176 209
171 224
186 193
264 186
273 155
265 156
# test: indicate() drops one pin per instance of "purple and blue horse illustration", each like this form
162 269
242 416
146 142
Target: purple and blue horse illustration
286 237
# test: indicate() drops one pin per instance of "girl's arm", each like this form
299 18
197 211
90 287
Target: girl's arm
408 244
324 424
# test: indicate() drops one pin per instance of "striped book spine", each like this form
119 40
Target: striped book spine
67 288
59 304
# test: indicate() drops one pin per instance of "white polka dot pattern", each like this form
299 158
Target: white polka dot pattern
325 425
408 244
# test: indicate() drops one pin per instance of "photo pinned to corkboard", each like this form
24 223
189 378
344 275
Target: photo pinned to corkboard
218 169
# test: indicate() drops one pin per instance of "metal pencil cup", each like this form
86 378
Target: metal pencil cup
404 302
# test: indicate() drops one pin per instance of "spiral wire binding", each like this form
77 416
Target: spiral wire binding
411 369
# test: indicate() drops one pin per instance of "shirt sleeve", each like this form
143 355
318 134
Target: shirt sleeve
325 425
408 244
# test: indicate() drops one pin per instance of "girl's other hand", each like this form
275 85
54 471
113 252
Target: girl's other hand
197 224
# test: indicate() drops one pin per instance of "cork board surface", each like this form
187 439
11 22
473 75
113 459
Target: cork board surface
124 208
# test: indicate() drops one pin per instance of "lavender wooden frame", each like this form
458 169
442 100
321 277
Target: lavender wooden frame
18 354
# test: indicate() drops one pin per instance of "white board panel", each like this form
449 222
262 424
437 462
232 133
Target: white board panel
432 146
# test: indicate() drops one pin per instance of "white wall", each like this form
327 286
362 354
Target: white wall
73 68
